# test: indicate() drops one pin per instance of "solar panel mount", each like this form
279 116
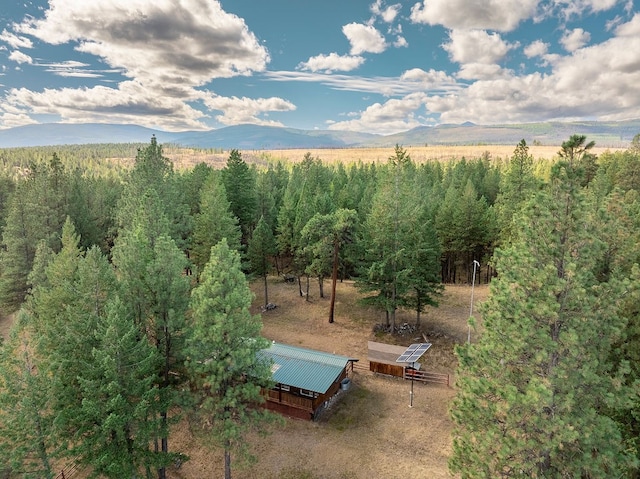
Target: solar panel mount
413 353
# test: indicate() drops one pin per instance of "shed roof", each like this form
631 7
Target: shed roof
305 368
387 354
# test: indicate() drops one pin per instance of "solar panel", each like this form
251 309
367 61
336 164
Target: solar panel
413 353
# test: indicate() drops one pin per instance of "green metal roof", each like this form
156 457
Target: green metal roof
305 368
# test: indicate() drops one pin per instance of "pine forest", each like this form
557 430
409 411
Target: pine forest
129 283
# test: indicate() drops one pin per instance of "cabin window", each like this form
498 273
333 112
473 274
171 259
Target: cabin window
284 387
310 394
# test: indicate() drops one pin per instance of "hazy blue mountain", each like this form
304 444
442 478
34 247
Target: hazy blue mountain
71 134
253 137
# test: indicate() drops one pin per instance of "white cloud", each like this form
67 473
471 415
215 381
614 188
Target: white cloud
427 80
364 38
476 46
481 71
393 116
576 8
19 57
499 15
573 39
599 81
630 29
165 65
133 35
387 13
332 62
247 110
538 48
129 103
412 81
15 41
400 42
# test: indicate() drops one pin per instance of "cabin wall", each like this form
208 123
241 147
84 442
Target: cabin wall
293 402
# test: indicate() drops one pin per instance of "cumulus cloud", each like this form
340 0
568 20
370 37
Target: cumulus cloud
129 103
19 57
498 15
154 41
481 71
599 81
538 48
400 42
476 46
332 62
573 39
15 41
393 116
247 110
630 29
388 13
428 80
575 8
364 38
168 49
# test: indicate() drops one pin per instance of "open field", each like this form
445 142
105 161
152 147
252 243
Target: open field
370 432
188 158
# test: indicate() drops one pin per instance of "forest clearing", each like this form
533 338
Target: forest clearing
370 431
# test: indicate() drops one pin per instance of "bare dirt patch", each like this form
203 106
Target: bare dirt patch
370 431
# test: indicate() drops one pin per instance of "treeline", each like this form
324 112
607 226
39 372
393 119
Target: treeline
552 387
131 286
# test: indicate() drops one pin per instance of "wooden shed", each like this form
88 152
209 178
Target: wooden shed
306 380
382 359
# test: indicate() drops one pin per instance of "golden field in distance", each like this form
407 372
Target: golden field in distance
187 157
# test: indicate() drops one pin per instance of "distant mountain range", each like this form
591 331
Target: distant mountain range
253 137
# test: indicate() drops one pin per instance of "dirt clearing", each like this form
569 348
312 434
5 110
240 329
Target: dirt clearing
370 431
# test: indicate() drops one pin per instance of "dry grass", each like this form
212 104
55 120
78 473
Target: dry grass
371 431
188 157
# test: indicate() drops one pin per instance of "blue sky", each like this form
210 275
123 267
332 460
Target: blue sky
369 66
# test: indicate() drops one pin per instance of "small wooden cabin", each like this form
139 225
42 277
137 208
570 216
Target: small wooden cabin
382 359
305 379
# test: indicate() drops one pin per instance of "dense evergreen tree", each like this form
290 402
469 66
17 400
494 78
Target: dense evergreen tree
262 247
118 415
387 267
575 151
308 192
26 429
466 227
214 222
152 177
536 391
155 290
37 210
240 186
325 235
517 185
222 353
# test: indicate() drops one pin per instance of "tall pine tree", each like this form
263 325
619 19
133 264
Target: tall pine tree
223 354
535 392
